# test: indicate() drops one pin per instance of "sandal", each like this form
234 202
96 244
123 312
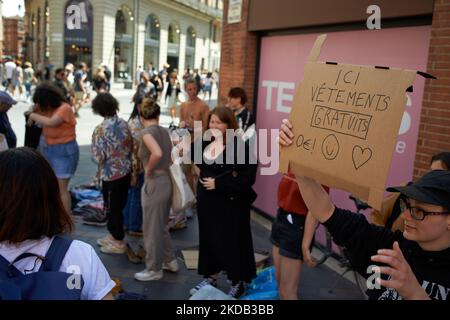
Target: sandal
132 257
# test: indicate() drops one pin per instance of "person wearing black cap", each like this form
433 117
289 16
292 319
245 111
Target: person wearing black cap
6 102
413 264
390 213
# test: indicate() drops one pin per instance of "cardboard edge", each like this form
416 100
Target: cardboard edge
315 51
376 197
421 73
284 162
327 180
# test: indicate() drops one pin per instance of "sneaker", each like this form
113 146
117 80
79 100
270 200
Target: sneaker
105 241
141 252
171 266
132 256
148 275
113 249
206 281
237 290
95 218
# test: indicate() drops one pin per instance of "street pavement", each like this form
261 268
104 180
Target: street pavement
323 282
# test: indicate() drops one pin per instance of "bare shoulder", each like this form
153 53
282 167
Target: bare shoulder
204 106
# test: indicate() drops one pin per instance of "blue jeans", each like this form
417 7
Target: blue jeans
28 89
62 157
132 213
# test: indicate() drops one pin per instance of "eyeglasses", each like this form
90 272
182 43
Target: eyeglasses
418 213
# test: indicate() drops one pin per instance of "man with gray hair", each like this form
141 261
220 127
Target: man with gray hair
193 109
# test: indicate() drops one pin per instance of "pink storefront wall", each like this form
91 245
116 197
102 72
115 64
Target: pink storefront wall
281 66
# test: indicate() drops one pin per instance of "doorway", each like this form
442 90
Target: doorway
173 62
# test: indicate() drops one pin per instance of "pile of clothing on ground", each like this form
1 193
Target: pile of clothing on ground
87 202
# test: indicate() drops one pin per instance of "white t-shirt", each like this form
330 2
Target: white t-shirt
80 259
9 68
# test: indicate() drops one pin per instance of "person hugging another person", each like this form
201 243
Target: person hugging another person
112 145
60 148
155 155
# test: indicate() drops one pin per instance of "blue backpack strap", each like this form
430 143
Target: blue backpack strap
7 269
4 265
8 290
55 254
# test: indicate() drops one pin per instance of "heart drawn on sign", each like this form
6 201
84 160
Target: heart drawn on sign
360 156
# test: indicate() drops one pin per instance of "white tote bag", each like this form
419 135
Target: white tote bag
182 197
3 142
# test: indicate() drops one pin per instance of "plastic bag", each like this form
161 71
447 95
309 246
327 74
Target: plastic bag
209 292
262 295
182 197
263 287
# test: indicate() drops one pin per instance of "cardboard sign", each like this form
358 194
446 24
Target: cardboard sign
346 120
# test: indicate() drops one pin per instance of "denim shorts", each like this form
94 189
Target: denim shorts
287 234
62 157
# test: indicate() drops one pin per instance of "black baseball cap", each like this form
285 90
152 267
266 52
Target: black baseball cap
433 188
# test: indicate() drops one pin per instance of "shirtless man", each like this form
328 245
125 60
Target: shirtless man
194 109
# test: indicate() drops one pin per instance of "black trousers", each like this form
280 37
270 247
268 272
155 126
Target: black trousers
115 194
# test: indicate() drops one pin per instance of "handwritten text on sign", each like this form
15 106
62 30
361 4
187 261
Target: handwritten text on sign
355 120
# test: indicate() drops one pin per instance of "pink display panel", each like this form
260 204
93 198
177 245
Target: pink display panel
281 67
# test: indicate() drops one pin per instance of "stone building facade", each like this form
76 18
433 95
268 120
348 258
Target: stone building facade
125 34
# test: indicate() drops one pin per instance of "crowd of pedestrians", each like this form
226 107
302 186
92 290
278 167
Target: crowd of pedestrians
134 160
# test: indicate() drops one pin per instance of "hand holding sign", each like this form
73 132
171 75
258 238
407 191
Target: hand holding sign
345 120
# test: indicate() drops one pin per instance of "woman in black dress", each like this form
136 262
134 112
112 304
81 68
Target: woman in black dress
224 196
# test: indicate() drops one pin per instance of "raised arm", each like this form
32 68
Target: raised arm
54 121
316 198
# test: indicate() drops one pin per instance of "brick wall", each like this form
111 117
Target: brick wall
238 56
11 44
434 131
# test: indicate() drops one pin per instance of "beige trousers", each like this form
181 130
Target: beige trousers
156 201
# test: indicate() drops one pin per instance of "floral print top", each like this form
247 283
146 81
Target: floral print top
112 145
136 127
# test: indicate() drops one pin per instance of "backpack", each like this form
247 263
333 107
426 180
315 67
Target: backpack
48 283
